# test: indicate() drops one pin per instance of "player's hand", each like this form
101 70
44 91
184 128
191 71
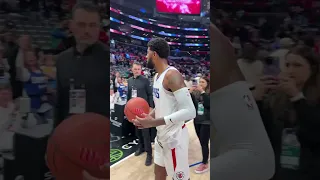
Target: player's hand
146 122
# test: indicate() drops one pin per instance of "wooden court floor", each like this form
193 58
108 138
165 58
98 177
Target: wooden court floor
133 168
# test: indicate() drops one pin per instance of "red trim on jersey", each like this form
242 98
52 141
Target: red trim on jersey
174 158
184 126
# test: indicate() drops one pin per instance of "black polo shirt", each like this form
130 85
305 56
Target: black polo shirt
89 70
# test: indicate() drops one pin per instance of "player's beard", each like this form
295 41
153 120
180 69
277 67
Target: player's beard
150 64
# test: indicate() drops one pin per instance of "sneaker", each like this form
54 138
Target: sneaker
202 168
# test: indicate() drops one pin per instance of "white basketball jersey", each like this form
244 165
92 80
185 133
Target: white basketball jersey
165 104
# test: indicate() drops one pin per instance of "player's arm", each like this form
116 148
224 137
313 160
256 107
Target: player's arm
250 155
152 112
223 66
174 82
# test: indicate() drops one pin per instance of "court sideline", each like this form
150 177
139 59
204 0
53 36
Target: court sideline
132 167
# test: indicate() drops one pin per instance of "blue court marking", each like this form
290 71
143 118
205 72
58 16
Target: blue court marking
194 164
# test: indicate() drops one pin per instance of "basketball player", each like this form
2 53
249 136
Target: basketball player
173 106
240 147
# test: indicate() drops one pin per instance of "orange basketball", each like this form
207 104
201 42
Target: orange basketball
79 143
136 107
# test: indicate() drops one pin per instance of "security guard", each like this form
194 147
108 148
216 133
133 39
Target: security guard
83 70
139 86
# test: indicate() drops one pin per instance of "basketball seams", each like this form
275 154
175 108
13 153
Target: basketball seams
90 156
138 104
63 150
140 110
60 152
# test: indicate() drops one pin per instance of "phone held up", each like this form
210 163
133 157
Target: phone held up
271 66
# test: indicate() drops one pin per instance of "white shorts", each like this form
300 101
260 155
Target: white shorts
174 160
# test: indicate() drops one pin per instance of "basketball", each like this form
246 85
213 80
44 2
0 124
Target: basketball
79 143
136 107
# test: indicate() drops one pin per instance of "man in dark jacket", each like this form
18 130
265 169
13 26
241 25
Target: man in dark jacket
83 70
139 86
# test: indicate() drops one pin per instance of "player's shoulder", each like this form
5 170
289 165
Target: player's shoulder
173 72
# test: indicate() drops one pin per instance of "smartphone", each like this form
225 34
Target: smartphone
271 66
194 82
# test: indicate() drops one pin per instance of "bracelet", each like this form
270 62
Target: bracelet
297 97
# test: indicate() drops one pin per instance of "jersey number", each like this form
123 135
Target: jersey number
156 92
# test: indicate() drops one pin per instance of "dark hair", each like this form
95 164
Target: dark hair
89 7
313 60
160 46
207 90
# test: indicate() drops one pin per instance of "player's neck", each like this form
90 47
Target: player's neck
161 67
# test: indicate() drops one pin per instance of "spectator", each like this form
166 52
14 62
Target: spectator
4 66
202 121
16 62
62 38
35 81
292 111
7 108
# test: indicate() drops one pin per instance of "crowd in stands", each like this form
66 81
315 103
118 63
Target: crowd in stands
146 25
123 55
278 54
160 19
27 68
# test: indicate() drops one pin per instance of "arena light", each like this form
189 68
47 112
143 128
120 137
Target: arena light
116 20
157 24
161 32
117 32
147 39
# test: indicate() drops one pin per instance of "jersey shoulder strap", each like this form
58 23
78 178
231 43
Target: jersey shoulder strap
155 78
